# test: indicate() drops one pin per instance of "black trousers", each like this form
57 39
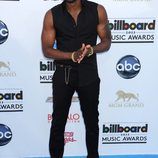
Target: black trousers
62 96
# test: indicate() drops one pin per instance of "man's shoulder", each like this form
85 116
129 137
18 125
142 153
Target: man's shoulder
91 6
56 7
94 4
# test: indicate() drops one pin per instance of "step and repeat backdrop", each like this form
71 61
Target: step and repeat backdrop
128 95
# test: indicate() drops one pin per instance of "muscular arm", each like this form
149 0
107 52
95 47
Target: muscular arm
103 32
48 39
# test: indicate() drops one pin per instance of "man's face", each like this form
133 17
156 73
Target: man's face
69 1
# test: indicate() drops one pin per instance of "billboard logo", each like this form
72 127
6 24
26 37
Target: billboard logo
123 25
124 133
133 30
11 96
11 100
9 0
128 66
46 71
3 32
5 135
117 128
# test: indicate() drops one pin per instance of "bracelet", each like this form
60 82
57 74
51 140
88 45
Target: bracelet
91 52
72 57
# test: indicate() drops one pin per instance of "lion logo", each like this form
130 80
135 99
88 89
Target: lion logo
4 65
74 99
126 96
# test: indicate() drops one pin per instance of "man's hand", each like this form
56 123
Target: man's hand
87 50
79 55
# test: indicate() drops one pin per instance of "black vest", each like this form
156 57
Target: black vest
70 36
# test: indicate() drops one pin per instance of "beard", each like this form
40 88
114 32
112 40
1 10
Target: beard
69 1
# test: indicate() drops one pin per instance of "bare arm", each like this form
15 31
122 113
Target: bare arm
103 31
48 39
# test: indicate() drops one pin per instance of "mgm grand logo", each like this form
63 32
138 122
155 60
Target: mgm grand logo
121 95
5 70
127 100
4 65
74 99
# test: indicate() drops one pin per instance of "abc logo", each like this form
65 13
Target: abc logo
5 135
128 66
3 32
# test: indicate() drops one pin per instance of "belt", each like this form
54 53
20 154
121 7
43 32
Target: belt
67 70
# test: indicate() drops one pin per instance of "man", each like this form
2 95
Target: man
75 25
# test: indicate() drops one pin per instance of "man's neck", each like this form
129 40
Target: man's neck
75 6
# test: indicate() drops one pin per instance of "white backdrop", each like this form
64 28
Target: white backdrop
128 72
